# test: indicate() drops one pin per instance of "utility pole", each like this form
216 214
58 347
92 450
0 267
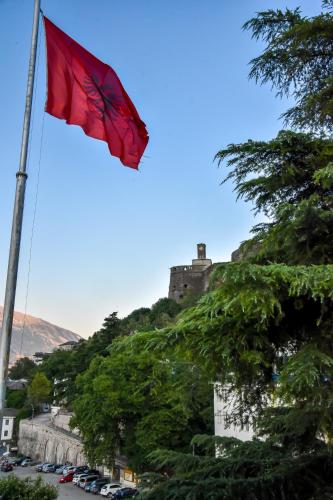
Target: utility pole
15 242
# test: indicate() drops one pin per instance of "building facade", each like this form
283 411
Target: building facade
223 405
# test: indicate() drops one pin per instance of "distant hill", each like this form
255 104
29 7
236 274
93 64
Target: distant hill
38 336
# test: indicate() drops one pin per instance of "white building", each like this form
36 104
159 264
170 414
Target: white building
222 409
7 426
68 346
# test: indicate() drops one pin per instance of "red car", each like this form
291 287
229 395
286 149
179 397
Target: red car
7 467
67 479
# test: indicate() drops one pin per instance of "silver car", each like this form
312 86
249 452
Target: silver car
77 477
85 480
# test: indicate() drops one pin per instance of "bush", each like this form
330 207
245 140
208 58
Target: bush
13 488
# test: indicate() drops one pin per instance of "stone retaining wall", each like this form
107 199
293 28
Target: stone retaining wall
39 440
42 440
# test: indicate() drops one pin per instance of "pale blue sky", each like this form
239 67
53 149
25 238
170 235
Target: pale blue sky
105 235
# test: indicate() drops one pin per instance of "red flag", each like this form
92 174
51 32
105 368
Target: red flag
84 91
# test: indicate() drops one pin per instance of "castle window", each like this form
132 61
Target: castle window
5 433
180 296
185 286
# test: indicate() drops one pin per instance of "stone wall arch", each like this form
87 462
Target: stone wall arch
48 456
59 454
80 458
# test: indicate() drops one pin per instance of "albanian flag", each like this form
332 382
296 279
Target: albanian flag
84 91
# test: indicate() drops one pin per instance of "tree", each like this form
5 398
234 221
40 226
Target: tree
290 180
39 390
269 317
23 368
16 398
13 488
62 367
137 321
297 61
132 402
164 311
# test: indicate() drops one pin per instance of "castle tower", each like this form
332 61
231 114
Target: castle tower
193 278
201 259
201 249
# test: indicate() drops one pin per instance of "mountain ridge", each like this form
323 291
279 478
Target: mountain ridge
38 335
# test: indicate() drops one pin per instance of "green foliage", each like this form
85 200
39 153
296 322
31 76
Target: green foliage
23 368
265 329
244 470
62 367
134 401
297 61
290 179
137 321
13 488
39 391
163 311
261 317
16 398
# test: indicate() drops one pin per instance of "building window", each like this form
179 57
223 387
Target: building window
7 421
5 433
185 286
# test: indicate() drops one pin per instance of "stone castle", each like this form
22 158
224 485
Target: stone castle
191 278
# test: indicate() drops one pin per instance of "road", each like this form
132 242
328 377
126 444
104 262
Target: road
66 491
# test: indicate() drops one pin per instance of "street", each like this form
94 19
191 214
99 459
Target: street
66 491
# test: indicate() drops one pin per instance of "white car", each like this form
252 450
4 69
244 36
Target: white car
109 489
77 477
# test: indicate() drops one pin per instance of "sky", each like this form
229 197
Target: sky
105 235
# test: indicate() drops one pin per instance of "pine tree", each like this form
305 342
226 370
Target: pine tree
273 311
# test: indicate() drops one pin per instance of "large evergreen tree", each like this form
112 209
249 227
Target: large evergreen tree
270 316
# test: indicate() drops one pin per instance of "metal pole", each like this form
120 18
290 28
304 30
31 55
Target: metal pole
21 177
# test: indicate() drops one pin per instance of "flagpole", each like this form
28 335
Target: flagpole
21 177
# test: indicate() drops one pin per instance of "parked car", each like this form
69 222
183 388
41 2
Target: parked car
7 467
68 478
109 489
50 467
28 462
45 466
68 468
71 472
19 460
82 469
96 486
92 472
60 469
124 493
77 477
77 469
86 480
39 467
